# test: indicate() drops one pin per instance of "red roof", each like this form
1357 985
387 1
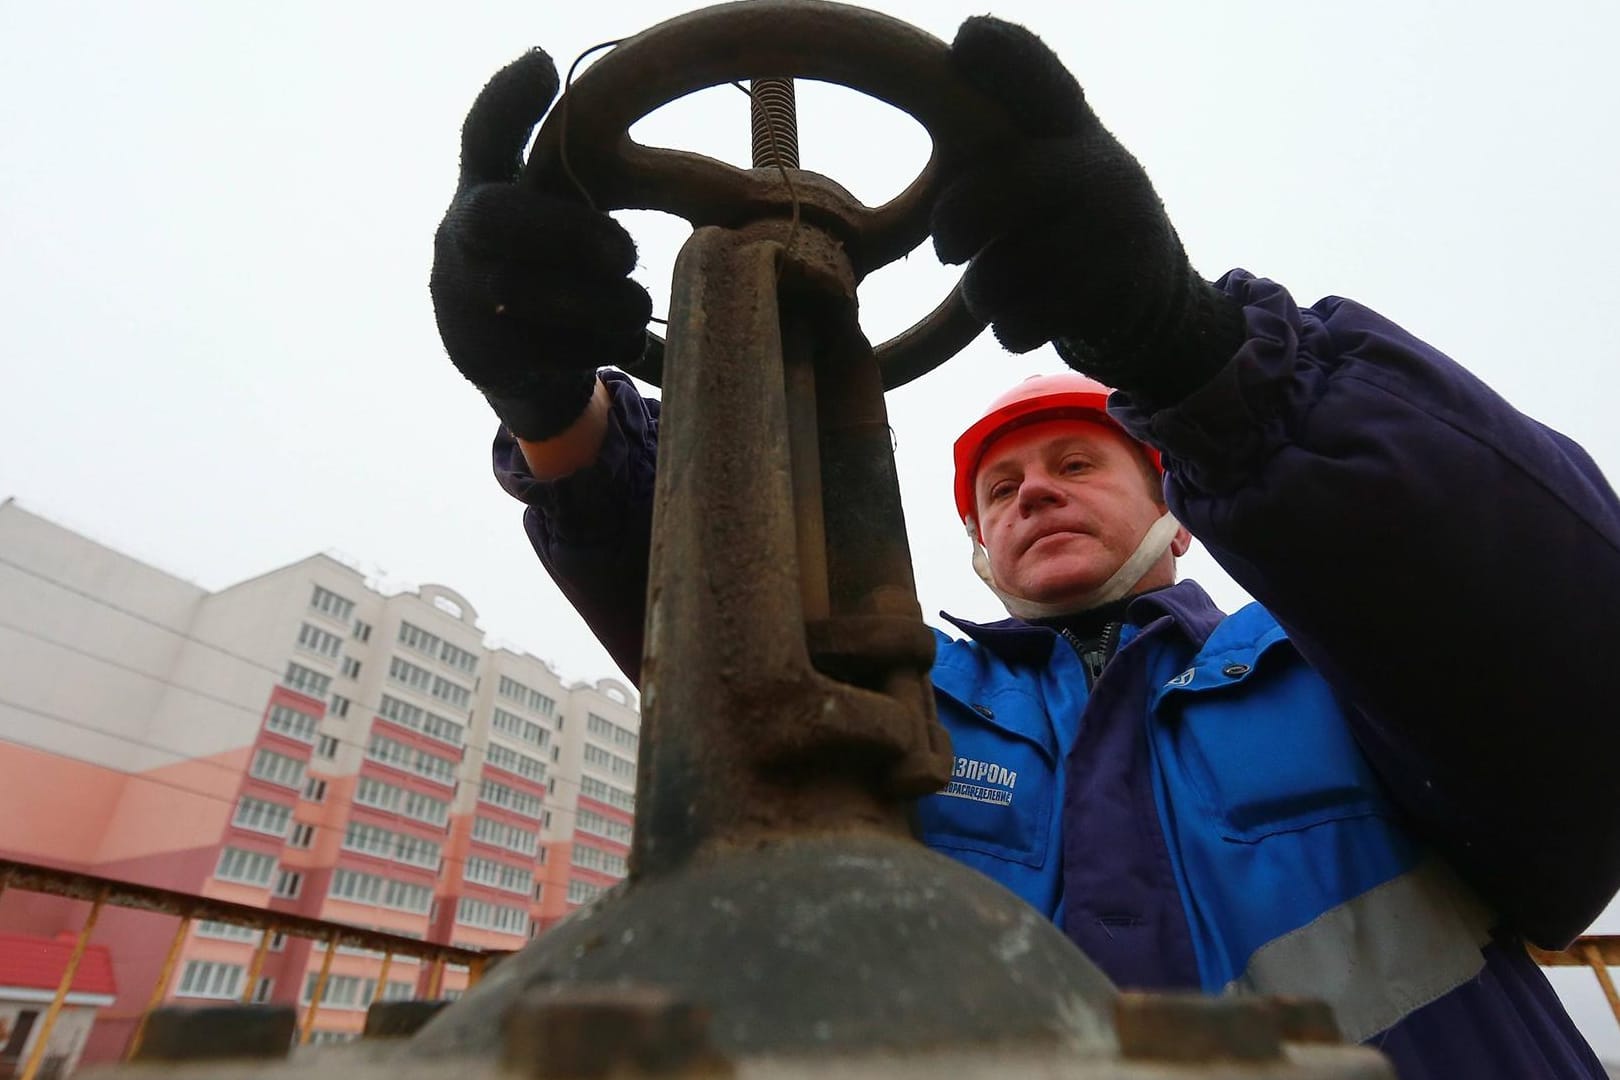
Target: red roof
37 963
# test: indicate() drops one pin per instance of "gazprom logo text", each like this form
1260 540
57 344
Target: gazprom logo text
981 781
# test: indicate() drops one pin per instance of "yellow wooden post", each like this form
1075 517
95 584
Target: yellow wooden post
475 970
37 1057
161 986
435 978
1594 960
258 963
320 988
382 976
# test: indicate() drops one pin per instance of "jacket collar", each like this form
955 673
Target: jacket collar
1185 604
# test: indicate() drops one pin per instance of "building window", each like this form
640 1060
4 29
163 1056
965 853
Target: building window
292 723
399 991
262 992
303 835
514 725
451 693
318 641
380 796
592 822
262 815
362 630
605 862
459 658
408 758
608 731
501 834
593 788
419 640
330 603
488 916
419 719
327 747
350 668
224 931
288 884
498 875
512 690
503 757
320 1037
340 706
211 979
582 892
245 867
341 991
277 769
521 802
386 844
307 680
408 674
315 789
376 889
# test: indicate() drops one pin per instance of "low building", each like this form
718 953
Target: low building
302 741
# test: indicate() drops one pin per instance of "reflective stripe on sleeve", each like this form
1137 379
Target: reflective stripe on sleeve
1382 955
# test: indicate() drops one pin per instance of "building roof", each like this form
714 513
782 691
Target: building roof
37 963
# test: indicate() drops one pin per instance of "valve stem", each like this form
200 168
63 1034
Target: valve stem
775 122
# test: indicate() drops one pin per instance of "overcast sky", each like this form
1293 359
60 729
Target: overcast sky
216 220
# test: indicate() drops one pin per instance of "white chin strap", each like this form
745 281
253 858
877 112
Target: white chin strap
1155 542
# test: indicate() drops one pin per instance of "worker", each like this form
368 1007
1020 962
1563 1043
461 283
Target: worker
1371 787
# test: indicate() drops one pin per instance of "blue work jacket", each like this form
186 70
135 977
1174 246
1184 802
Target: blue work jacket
1333 794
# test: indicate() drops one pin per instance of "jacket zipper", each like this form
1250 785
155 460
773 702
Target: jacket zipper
1096 656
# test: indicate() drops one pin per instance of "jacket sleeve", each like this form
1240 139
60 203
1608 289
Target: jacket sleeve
593 530
1451 566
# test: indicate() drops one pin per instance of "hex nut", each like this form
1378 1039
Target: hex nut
1196 1028
580 1032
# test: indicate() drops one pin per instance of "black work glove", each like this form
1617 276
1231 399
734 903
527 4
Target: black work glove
530 287
1067 239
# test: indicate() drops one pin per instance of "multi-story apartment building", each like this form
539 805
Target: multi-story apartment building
303 742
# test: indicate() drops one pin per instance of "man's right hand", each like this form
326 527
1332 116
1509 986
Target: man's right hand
530 289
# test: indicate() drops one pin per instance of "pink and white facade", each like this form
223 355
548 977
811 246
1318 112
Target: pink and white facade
299 741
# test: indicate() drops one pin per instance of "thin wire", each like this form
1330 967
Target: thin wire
562 120
781 167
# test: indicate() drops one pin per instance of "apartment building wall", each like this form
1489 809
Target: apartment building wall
299 741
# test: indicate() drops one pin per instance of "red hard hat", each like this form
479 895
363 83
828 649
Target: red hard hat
1037 398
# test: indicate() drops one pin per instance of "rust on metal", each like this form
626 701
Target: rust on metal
52 881
1304 1020
610 1031
774 119
1196 1028
868 51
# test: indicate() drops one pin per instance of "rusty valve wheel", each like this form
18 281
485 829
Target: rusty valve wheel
812 39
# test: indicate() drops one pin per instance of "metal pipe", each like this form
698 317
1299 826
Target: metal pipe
320 989
37 1057
161 986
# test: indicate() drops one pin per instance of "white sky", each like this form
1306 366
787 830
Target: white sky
216 221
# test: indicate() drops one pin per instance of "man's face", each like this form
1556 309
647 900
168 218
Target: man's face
1062 504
